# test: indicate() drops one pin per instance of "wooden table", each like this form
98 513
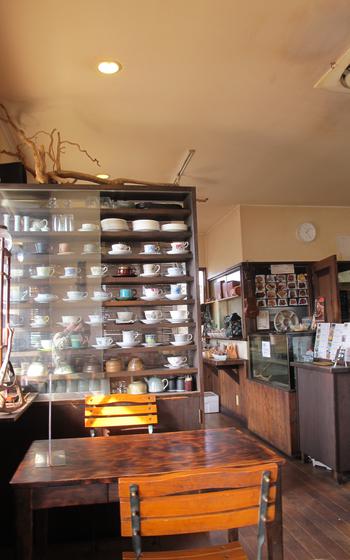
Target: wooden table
95 464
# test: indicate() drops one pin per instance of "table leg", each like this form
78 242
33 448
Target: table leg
232 535
41 524
24 523
274 530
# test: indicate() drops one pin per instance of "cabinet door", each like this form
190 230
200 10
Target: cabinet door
325 283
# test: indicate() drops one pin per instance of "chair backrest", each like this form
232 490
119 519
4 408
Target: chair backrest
206 499
120 409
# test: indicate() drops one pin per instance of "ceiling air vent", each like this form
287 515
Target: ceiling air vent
337 78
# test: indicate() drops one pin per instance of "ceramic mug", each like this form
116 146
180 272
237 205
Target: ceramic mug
153 292
76 340
150 339
183 337
151 249
151 268
177 361
76 295
153 314
127 293
117 247
179 246
130 336
98 270
71 271
175 289
104 341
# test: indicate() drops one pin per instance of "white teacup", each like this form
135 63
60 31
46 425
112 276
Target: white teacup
179 314
45 271
76 295
70 319
17 272
151 268
90 248
179 246
71 271
153 292
117 247
125 315
89 227
100 294
44 297
174 271
151 249
96 319
46 344
130 336
183 337
99 270
17 293
39 225
41 320
153 314
175 289
104 341
177 360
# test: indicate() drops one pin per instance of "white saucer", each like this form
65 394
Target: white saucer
40 277
128 344
21 301
100 300
175 297
150 254
65 253
174 275
100 347
53 298
150 345
36 325
89 230
151 274
74 300
116 253
65 277
175 343
146 298
39 230
150 321
178 252
86 253
174 321
94 324
121 322
94 276
175 367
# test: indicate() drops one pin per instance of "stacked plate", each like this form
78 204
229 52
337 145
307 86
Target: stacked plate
145 225
114 224
175 226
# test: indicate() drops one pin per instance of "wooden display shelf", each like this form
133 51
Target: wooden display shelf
144 303
159 372
79 396
221 299
111 326
137 258
56 235
166 236
158 349
68 376
161 214
141 280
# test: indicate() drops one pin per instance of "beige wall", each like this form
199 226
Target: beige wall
269 232
202 250
224 242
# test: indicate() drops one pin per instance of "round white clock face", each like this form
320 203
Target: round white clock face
306 232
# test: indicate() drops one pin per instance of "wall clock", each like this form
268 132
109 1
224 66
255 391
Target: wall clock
306 232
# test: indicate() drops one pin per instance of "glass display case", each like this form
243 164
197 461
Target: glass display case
271 356
103 287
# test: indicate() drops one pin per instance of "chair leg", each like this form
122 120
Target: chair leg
150 428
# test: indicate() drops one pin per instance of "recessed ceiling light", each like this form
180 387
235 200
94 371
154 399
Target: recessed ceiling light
109 67
103 176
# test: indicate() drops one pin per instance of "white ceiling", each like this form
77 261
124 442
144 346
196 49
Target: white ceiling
231 78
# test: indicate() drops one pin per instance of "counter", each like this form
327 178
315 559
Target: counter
323 394
228 380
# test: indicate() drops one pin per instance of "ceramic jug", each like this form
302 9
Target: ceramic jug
156 385
137 388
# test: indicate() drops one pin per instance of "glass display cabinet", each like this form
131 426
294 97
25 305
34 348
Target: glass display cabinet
271 356
104 288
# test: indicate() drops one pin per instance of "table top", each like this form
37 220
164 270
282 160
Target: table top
105 459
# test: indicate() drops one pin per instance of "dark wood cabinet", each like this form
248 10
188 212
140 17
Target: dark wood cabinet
325 283
324 415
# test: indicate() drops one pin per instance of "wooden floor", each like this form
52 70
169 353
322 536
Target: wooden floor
316 514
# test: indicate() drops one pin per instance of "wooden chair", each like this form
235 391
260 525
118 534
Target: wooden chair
120 410
201 500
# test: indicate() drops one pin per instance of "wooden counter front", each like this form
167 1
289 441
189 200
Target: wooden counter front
324 414
227 379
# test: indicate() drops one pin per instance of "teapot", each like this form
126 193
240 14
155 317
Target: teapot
137 388
156 385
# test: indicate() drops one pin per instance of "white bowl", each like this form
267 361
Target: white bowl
220 357
145 225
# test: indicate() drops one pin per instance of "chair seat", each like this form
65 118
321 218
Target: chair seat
230 551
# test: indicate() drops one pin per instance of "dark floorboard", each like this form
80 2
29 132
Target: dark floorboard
316 519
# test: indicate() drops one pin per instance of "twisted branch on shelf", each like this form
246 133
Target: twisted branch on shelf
53 173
